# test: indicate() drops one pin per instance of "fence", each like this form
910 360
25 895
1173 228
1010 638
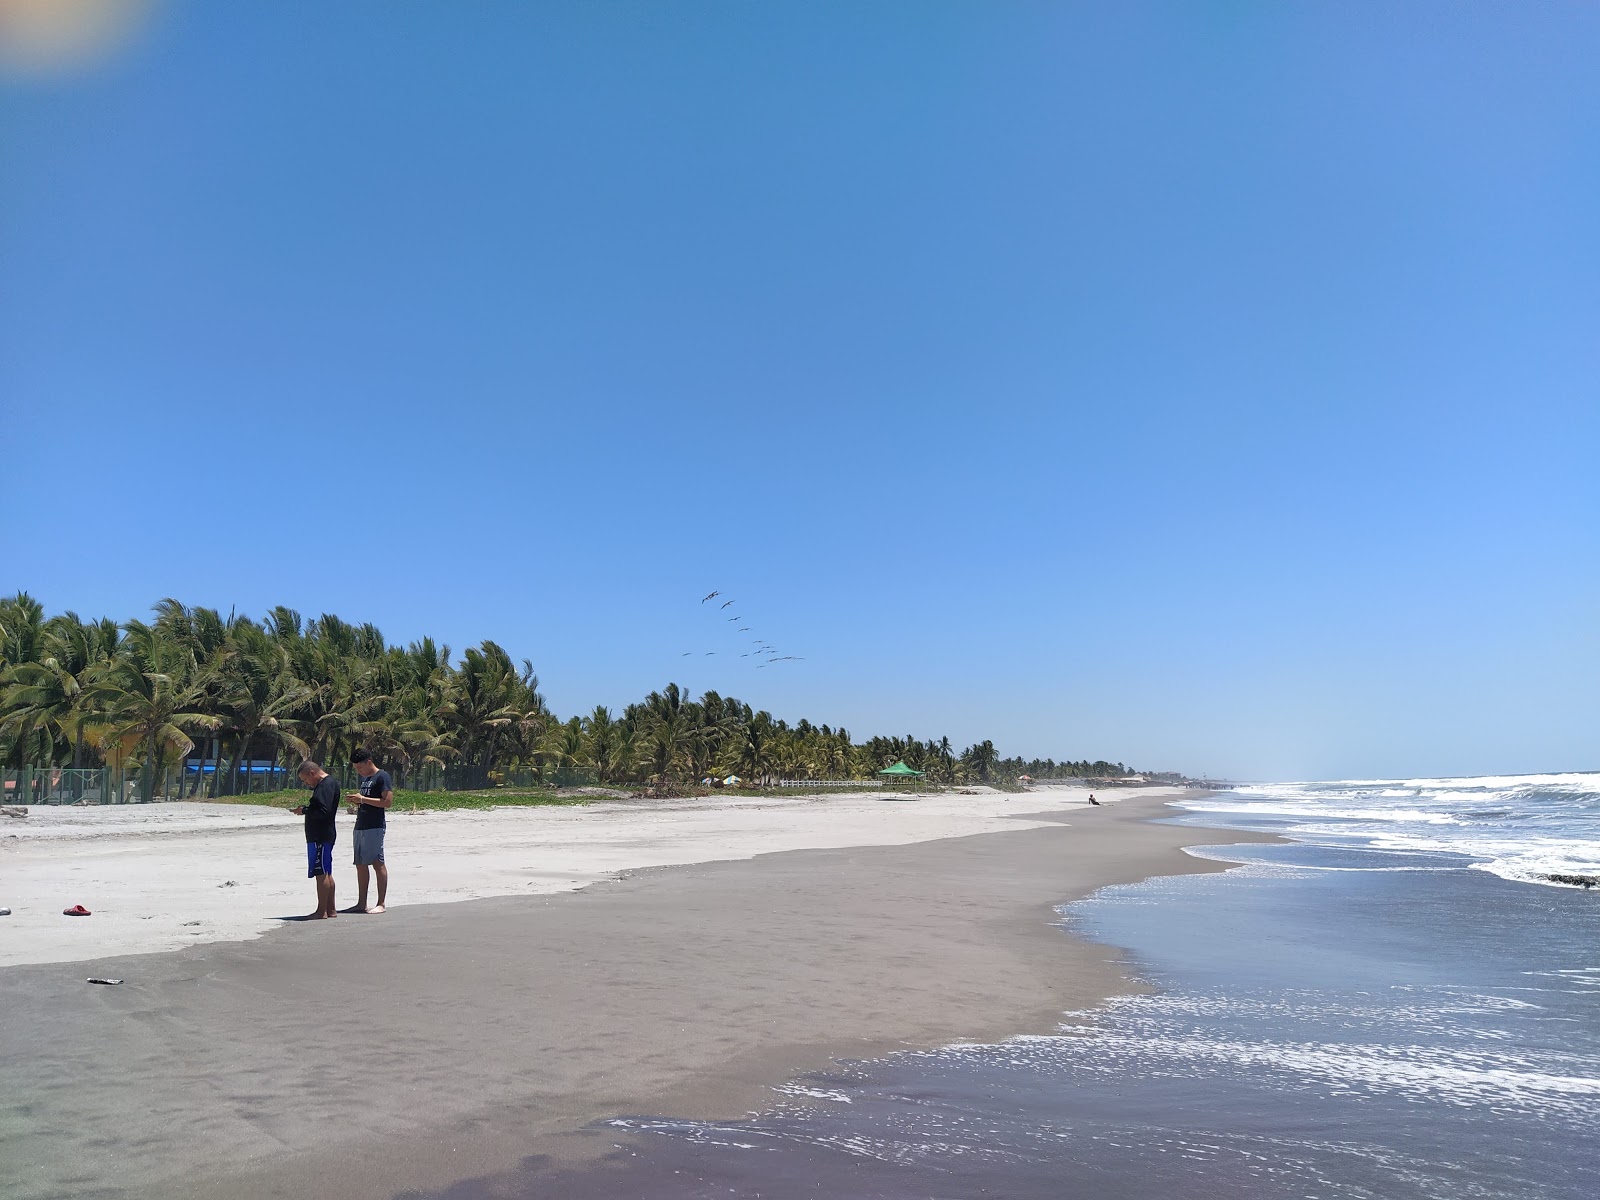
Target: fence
853 785
107 785
64 785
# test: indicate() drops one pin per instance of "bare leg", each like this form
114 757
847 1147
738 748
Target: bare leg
362 875
317 916
382 873
325 907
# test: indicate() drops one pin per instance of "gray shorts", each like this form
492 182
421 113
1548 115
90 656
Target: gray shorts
369 847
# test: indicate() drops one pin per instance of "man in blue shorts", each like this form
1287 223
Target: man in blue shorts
377 794
319 813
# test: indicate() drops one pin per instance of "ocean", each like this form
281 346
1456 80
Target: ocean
1395 1003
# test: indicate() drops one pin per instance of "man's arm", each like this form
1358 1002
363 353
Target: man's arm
383 800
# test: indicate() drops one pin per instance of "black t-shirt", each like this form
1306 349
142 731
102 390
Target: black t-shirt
376 784
321 809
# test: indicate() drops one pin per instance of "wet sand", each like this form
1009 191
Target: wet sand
445 1043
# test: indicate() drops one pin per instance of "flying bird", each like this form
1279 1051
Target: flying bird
712 596
746 629
735 618
725 603
709 653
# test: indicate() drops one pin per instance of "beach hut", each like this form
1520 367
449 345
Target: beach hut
900 771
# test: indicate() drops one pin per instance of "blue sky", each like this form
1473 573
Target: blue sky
1211 387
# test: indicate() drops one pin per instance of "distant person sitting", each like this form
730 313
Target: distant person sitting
319 813
377 794
1093 801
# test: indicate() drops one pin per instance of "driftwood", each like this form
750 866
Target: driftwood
13 810
1583 881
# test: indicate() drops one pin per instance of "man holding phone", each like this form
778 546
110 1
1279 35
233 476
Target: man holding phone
377 794
319 813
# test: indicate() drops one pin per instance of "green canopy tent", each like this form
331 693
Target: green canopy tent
900 771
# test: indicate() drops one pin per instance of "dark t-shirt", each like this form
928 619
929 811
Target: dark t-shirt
376 784
321 809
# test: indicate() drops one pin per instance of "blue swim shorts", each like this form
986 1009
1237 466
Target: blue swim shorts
319 859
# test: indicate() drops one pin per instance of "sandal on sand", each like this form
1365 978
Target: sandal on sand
77 910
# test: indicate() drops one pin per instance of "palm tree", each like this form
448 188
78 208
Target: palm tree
600 750
980 759
257 697
150 697
564 746
54 695
21 630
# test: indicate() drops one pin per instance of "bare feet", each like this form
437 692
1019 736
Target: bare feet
375 909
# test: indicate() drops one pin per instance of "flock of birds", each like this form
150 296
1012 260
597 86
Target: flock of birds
761 647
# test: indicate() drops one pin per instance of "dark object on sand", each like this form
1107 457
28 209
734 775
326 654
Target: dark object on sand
660 791
13 810
5 912
77 910
229 883
108 982
1583 881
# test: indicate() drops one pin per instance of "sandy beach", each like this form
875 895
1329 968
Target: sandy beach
165 876
682 958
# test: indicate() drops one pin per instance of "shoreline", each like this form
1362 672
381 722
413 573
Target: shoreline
454 1041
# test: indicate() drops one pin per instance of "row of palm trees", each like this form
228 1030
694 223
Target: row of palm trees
142 694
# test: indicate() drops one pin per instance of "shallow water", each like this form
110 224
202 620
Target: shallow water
1348 1015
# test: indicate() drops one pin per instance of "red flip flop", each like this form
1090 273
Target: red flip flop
77 910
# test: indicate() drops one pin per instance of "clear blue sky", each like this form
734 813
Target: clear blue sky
1212 387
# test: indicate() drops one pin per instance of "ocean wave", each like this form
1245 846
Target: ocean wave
1324 812
1522 828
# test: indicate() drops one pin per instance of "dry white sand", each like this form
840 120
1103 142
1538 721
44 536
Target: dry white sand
164 876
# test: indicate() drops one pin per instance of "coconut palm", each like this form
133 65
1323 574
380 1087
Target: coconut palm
258 695
151 696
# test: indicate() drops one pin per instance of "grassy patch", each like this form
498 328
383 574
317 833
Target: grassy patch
408 801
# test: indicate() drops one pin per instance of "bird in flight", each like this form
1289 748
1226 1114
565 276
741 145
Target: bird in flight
746 629
709 653
686 653
735 618
712 596
725 603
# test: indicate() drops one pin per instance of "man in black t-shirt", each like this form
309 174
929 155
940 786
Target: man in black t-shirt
319 813
377 794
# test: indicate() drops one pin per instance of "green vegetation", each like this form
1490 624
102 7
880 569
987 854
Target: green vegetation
139 696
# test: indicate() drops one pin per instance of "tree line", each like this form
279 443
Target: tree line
142 694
